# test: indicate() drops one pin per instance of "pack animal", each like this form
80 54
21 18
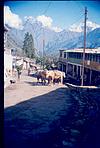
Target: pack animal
41 75
52 76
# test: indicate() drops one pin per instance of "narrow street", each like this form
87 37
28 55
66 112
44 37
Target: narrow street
50 116
25 89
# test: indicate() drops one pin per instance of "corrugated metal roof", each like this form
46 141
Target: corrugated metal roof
81 50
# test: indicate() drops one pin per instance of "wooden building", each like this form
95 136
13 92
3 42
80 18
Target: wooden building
70 61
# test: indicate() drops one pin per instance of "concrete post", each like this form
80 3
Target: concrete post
80 70
77 70
62 67
73 71
66 69
90 75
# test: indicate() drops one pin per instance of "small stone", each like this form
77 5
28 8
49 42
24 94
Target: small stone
74 132
73 140
80 122
64 130
65 143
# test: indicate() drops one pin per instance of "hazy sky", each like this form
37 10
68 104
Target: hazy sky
61 14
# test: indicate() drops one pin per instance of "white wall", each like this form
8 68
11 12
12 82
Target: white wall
24 65
8 59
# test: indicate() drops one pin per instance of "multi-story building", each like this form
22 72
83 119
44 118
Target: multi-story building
71 62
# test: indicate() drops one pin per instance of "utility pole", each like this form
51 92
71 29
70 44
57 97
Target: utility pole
43 48
82 82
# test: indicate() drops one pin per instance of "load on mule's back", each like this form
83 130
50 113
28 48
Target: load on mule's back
41 75
59 75
52 76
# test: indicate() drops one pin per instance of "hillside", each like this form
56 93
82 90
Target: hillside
67 38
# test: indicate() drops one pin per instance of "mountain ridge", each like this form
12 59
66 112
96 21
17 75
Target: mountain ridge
56 40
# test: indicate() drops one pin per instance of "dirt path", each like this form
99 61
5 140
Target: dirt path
32 110
50 116
25 89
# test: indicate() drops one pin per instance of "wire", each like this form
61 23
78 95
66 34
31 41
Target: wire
77 19
77 4
80 18
80 5
45 11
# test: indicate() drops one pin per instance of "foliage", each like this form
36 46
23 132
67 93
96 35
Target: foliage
28 46
49 62
39 60
19 68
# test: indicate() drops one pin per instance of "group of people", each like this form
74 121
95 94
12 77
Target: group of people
31 68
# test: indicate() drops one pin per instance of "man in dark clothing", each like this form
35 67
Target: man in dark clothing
19 71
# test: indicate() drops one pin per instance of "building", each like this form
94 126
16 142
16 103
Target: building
70 61
8 59
5 37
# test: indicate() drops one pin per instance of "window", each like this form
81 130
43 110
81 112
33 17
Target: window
69 54
91 57
74 55
96 58
79 55
64 54
99 58
12 50
60 54
86 57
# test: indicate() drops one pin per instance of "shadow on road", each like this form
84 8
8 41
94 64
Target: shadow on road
59 119
33 123
33 75
36 83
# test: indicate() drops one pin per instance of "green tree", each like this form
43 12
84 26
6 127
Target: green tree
28 46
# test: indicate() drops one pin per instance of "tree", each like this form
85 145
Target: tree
28 46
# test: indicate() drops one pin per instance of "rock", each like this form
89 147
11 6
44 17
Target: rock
68 144
75 132
73 140
79 122
65 130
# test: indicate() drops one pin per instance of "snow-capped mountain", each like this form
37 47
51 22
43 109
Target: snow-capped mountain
80 27
92 40
77 40
70 38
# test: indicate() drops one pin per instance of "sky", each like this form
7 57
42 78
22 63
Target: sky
55 14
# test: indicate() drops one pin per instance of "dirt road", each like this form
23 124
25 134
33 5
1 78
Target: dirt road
32 109
25 89
38 116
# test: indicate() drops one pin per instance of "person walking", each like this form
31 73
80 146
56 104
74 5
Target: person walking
19 71
28 71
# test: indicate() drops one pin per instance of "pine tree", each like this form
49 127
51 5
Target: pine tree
28 46
31 47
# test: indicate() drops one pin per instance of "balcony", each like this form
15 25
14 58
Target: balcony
62 60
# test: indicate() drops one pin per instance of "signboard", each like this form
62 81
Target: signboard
88 62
